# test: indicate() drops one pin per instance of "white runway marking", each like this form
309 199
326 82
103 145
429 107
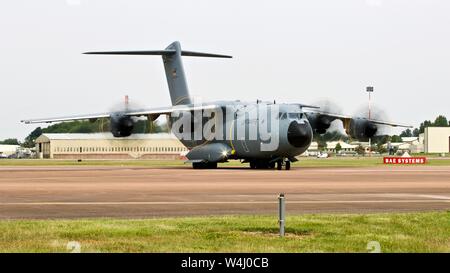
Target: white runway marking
436 197
219 202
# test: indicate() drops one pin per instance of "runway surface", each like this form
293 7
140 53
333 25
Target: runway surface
73 192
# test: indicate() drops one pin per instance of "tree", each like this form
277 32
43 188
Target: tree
396 138
406 133
360 150
321 145
31 138
324 138
338 147
416 132
381 149
380 140
10 141
423 125
441 121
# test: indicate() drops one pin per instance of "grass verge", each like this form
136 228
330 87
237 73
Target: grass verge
396 232
303 162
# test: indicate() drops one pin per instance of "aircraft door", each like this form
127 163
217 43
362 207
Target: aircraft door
242 123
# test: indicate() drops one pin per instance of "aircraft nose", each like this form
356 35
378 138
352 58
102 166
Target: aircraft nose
299 135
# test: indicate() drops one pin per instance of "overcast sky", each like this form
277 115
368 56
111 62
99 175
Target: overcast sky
291 51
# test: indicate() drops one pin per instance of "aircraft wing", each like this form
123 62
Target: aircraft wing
132 113
346 119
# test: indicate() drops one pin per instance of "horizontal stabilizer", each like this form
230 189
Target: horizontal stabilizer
201 54
159 52
138 52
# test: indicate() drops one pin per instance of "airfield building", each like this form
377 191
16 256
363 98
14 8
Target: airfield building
437 140
345 147
105 146
8 150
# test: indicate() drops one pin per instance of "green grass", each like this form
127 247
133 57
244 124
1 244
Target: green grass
399 232
59 162
304 162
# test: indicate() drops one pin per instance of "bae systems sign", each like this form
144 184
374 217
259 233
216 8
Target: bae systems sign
404 160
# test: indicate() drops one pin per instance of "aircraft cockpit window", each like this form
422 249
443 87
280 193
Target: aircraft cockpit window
282 116
295 115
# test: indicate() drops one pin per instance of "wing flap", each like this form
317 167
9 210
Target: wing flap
67 118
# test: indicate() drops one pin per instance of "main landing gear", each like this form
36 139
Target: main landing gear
204 165
266 164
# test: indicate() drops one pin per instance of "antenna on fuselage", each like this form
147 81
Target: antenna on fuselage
127 103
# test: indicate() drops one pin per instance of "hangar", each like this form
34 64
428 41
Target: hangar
437 140
105 146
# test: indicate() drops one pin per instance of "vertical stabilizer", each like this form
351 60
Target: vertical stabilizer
176 79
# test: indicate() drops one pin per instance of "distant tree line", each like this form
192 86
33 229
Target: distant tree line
440 121
10 141
327 137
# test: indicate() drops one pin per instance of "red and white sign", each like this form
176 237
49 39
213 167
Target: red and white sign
404 160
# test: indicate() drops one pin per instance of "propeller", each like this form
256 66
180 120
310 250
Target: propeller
322 123
122 125
370 129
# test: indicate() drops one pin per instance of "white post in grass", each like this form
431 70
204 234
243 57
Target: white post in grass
281 213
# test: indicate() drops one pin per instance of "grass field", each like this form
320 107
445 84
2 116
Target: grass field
399 232
396 232
304 162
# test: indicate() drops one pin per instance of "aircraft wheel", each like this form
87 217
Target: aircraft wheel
260 164
288 165
263 164
211 165
279 165
204 165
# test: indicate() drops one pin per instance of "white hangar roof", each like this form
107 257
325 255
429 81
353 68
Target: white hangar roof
103 136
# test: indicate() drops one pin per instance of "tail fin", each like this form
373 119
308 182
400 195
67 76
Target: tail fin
173 65
176 79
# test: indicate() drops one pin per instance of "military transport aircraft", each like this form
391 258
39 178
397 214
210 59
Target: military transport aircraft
264 134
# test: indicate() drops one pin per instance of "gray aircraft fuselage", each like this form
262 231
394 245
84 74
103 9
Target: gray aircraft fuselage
292 133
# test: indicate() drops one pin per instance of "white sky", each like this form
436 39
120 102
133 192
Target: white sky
291 51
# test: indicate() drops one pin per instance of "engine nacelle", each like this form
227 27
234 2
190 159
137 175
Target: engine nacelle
319 122
362 129
121 126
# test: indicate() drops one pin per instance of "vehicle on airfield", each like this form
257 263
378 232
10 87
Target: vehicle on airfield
323 155
264 134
